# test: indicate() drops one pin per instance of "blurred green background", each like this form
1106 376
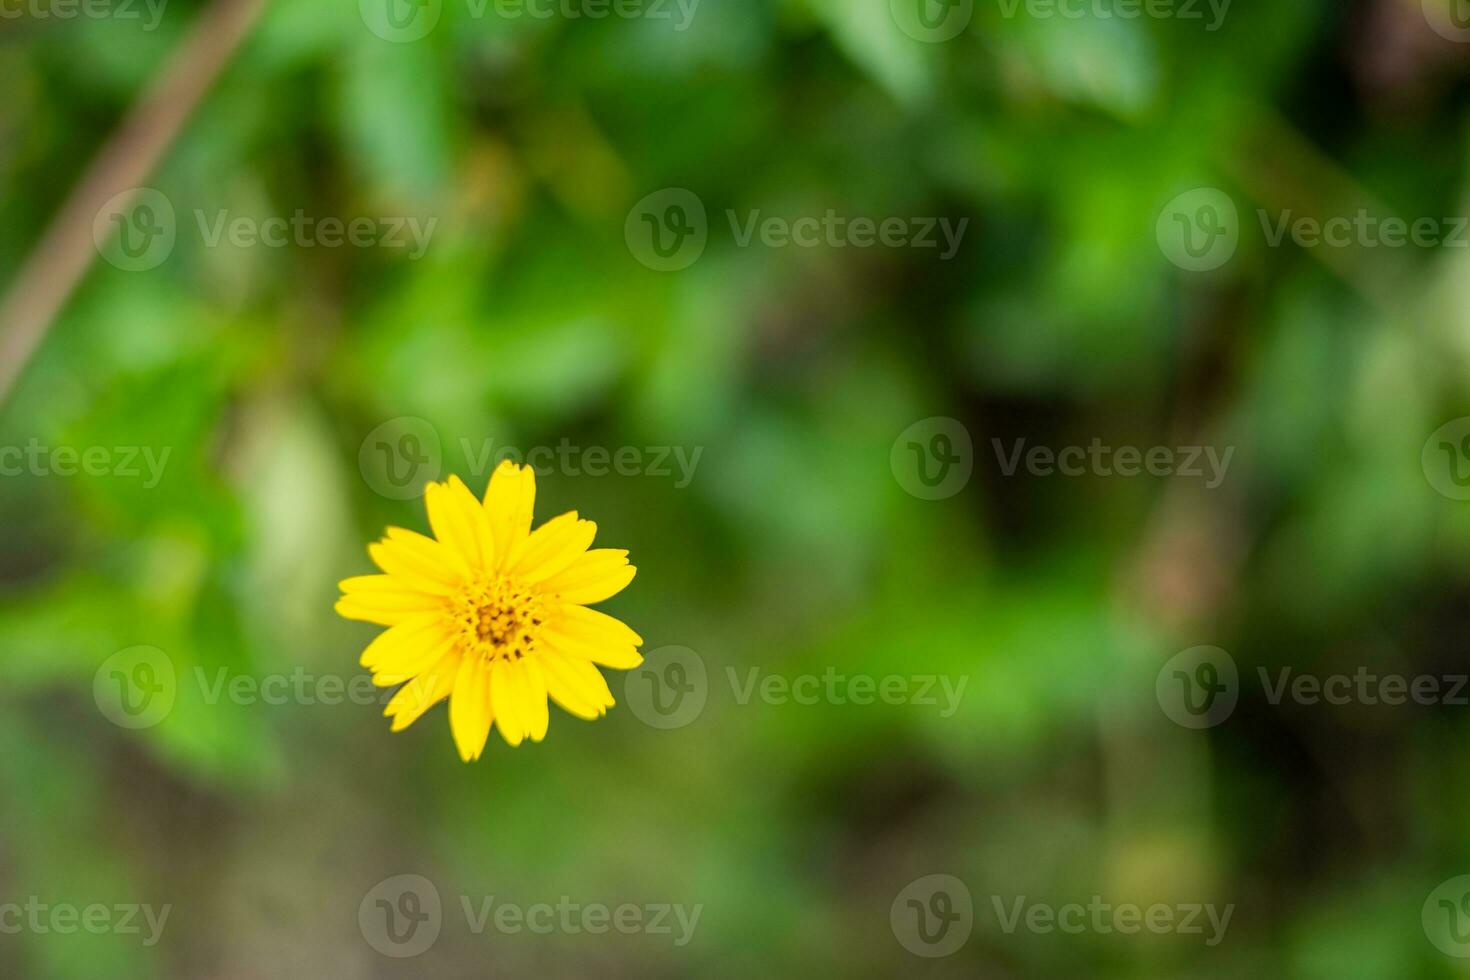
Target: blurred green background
267 374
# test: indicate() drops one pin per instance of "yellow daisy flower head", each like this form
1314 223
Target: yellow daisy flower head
492 615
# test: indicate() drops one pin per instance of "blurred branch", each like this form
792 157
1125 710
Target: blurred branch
1283 170
65 251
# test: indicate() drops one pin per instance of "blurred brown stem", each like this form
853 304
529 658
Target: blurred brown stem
65 251
1282 169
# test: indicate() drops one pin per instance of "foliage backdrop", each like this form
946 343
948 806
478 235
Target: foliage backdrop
794 548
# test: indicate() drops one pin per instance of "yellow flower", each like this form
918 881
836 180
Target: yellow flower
492 615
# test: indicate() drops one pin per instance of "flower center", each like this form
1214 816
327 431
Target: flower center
498 618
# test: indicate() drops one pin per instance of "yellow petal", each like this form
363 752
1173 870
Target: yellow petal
458 521
429 552
470 711
423 692
421 562
476 517
596 575
592 626
621 657
417 631
407 650
551 547
533 697
505 697
389 595
509 501
567 688
352 607
576 678
371 584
